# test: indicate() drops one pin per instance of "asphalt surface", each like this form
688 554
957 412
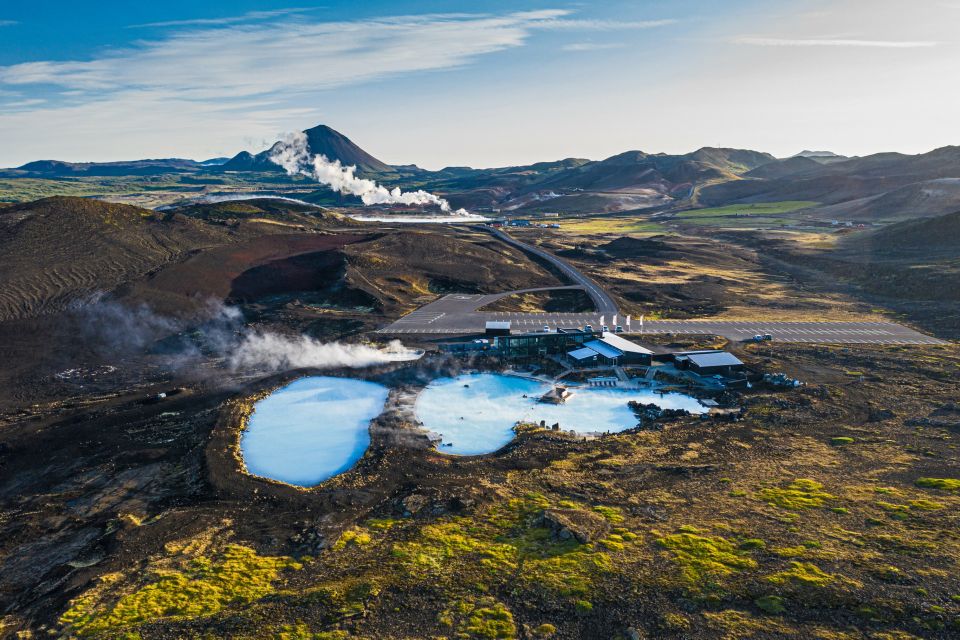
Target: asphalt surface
601 299
458 314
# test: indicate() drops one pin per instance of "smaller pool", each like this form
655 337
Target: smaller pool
475 413
312 429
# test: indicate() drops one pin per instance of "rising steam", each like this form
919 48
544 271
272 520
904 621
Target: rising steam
274 352
293 155
118 330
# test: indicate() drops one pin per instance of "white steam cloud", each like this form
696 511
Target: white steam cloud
275 352
218 331
294 156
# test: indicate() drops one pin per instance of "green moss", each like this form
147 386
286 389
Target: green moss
237 576
675 622
446 541
584 606
752 543
702 559
544 630
804 573
301 631
770 604
947 484
356 536
501 540
925 505
483 618
790 552
839 441
799 494
612 514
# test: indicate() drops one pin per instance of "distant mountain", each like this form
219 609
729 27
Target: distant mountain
214 162
629 180
321 140
59 168
915 200
806 153
853 179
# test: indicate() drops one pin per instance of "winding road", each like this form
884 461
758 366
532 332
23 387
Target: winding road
601 299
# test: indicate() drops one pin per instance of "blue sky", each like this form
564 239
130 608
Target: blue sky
454 83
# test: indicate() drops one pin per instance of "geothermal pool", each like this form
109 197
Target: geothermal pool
312 429
475 413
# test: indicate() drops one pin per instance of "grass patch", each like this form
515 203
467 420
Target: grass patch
703 559
748 210
237 576
799 494
770 604
601 225
354 536
498 543
947 484
805 573
840 441
483 618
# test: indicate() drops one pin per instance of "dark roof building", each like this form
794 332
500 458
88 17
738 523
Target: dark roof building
708 363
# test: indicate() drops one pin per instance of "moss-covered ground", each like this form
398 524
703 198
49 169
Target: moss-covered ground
762 528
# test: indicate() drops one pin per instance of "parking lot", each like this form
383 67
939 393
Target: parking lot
457 314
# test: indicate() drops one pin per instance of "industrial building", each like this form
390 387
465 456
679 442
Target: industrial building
709 363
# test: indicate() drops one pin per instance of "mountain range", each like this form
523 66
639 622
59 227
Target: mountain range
882 186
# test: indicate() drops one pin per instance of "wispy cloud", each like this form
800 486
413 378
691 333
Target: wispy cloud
251 16
832 42
8 23
293 56
592 46
601 25
254 73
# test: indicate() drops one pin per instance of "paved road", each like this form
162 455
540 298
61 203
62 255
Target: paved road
601 299
456 314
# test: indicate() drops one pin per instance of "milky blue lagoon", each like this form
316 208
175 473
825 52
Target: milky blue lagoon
311 429
476 413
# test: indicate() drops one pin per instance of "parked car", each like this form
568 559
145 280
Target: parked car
618 329
605 328
546 328
588 327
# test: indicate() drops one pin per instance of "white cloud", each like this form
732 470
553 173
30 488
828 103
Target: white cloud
283 56
8 23
832 42
250 16
592 46
222 79
600 25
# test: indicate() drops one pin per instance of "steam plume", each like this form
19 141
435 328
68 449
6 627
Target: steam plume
274 352
119 330
292 154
